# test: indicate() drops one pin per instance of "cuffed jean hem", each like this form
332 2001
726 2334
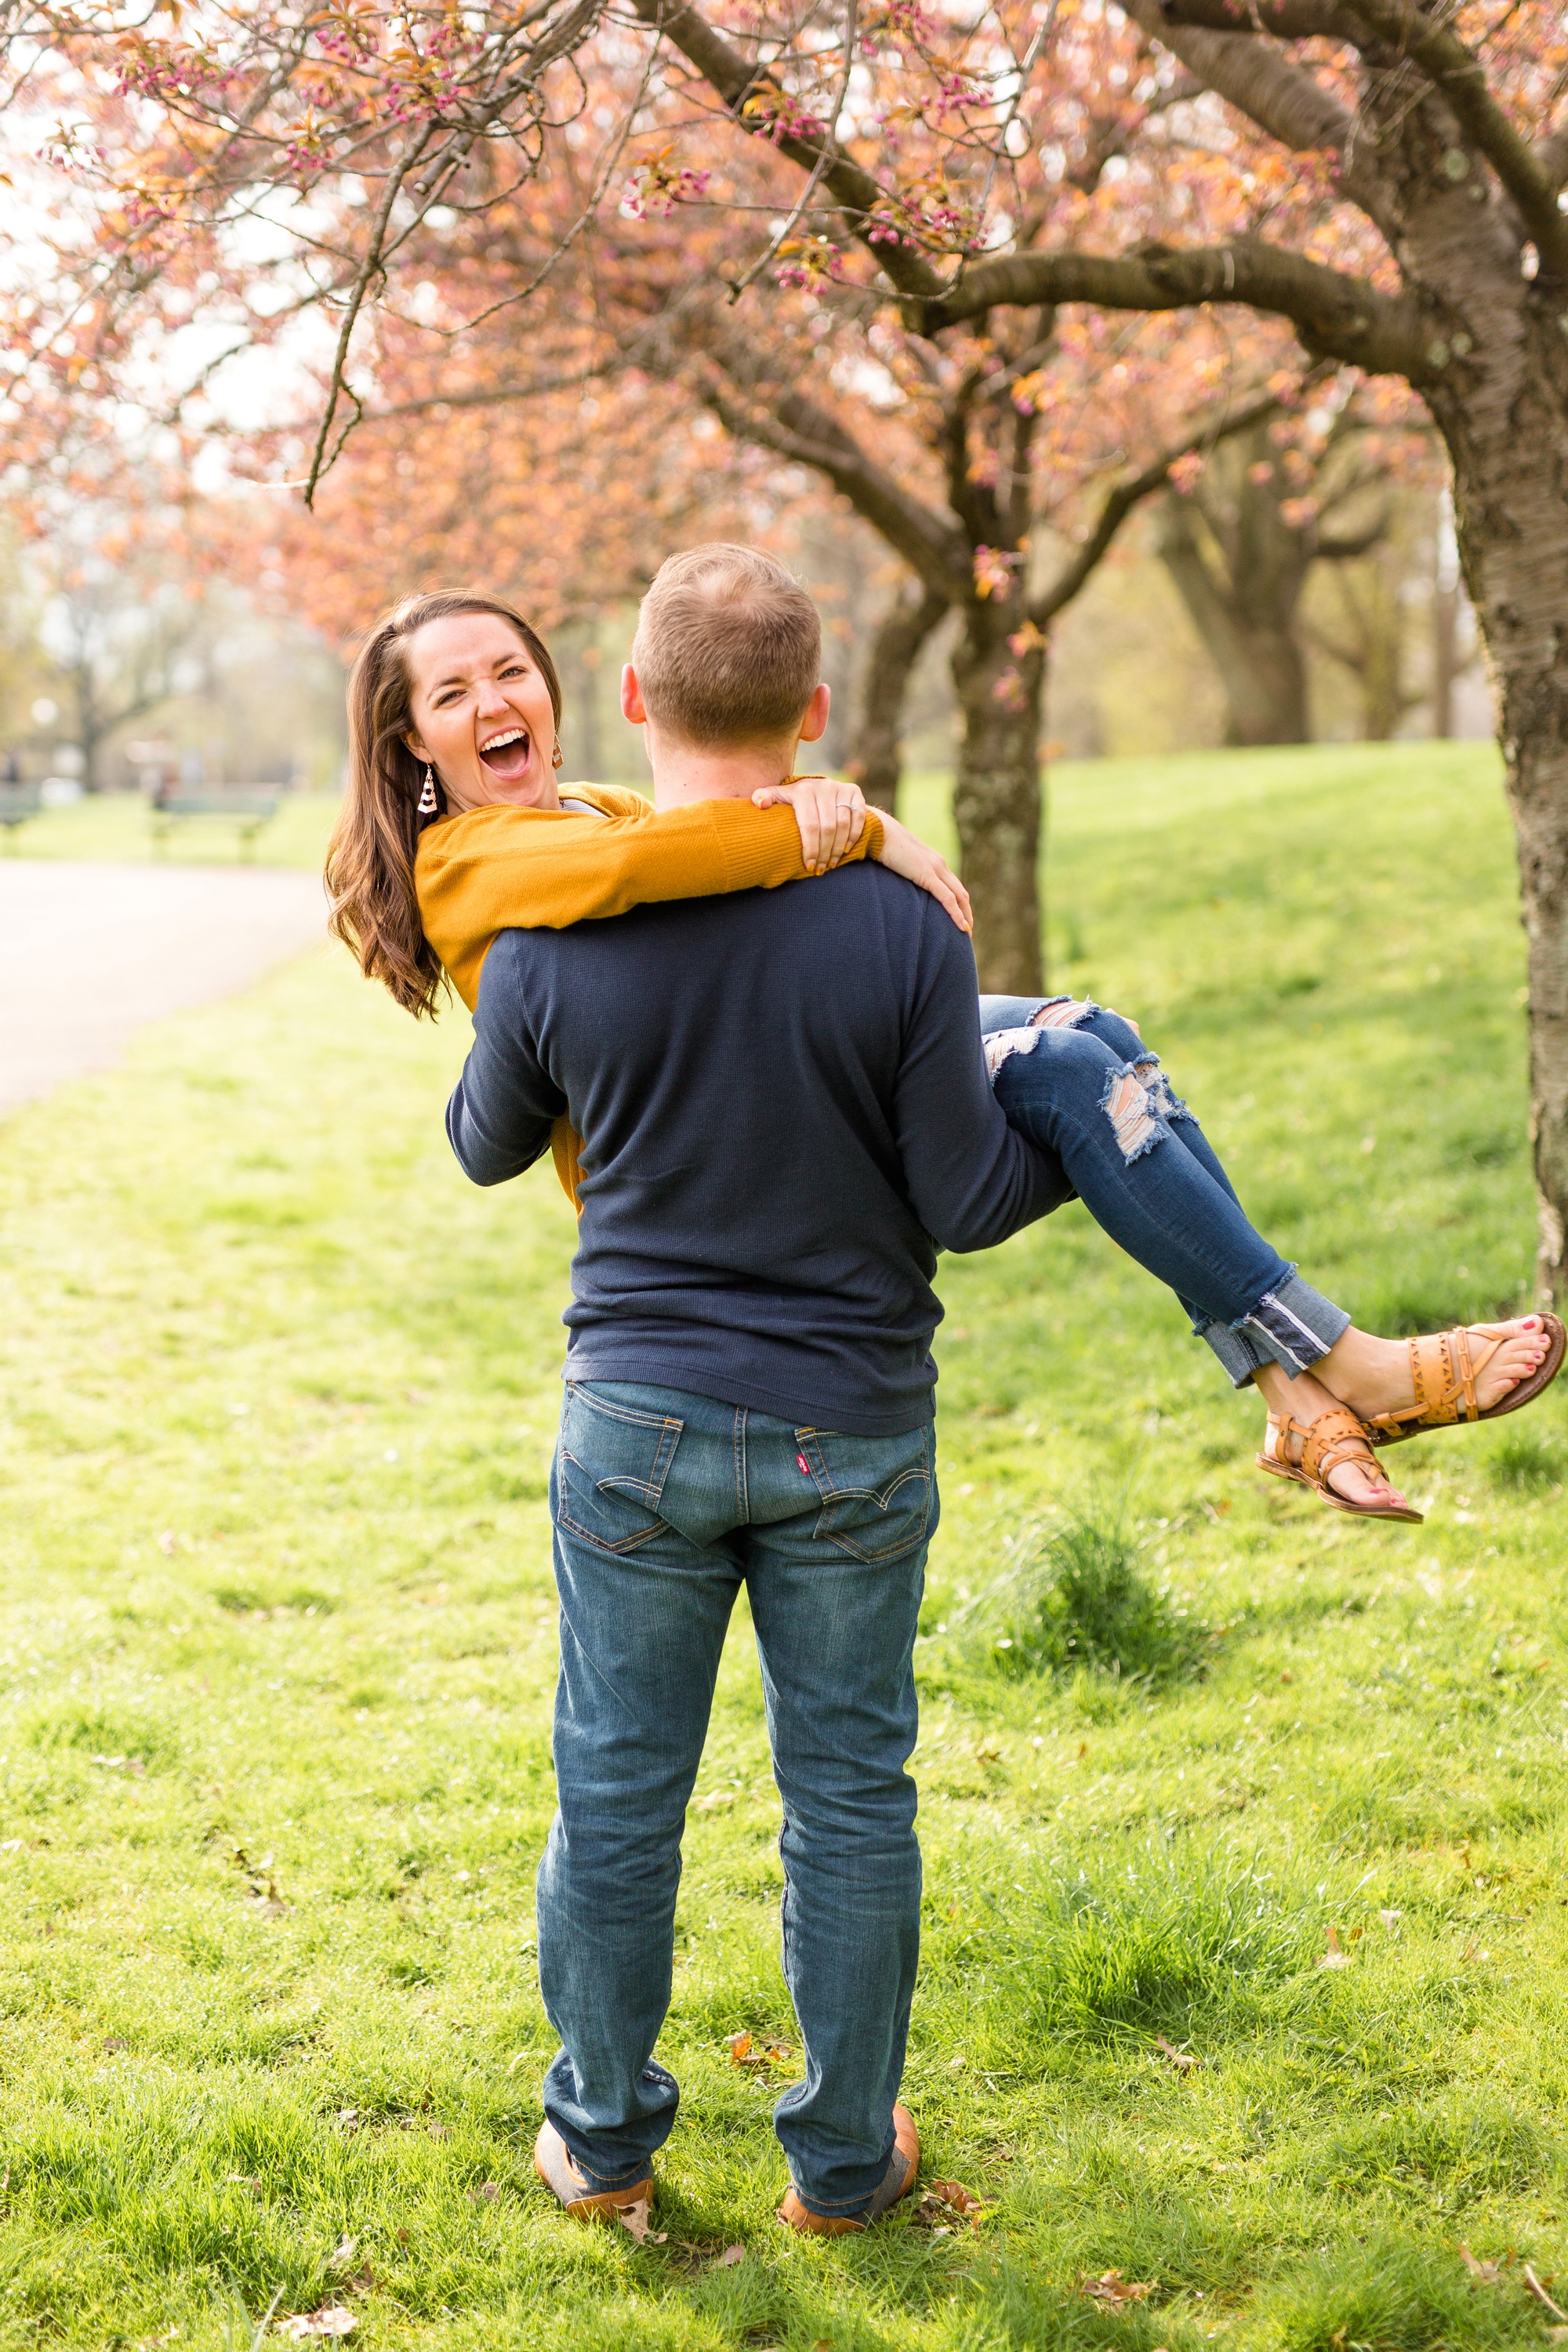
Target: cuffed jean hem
1292 1325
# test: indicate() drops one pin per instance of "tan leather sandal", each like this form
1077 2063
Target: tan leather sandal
553 2162
1444 1369
903 2166
1334 1438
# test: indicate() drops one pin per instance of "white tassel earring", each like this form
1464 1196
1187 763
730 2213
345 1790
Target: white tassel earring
426 802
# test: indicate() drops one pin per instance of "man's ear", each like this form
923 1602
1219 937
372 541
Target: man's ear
814 723
631 697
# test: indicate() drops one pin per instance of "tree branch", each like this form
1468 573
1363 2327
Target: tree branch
734 79
1336 315
1119 505
1254 76
794 425
1458 75
1289 20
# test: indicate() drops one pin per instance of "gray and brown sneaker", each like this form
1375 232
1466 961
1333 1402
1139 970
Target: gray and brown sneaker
553 2162
897 2181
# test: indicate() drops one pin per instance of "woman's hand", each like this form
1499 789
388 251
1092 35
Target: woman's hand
904 853
831 817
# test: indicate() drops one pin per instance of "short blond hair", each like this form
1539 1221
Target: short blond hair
728 648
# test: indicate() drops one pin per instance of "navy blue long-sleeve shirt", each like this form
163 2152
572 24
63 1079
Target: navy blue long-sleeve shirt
783 1106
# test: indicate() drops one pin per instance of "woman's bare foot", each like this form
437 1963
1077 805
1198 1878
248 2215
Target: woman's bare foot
1372 1376
1303 1399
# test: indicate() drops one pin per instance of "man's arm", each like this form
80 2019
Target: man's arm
972 1180
503 1106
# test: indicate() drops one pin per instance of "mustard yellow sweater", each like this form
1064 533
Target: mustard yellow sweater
501 868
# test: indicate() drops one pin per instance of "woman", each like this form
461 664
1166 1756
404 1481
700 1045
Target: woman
454 830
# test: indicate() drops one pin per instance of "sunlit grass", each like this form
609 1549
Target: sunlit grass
119 827
277 1650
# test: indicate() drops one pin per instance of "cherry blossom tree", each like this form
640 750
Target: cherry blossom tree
1378 179
1386 176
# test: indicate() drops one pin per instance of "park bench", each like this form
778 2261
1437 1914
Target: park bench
248 811
17 803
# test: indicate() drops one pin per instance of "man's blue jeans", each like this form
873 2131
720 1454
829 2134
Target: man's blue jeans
665 1504
1080 1081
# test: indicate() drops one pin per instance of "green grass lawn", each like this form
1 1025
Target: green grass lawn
277 1651
119 825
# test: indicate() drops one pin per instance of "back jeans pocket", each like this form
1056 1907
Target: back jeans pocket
610 1467
876 1492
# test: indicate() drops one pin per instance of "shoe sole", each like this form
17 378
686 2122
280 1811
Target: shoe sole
905 2144
553 2165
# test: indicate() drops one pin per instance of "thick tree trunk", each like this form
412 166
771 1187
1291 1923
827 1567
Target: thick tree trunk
996 800
1248 634
876 754
1504 415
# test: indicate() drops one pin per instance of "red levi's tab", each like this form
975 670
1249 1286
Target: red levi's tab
804 1465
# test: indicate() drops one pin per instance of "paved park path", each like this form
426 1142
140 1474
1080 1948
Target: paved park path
88 954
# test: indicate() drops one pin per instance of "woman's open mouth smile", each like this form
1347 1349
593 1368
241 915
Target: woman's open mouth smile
507 754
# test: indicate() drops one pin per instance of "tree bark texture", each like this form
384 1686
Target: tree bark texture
996 799
1506 426
876 754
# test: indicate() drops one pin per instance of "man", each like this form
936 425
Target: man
784 1112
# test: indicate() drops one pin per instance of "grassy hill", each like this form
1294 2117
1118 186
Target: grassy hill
1284 1798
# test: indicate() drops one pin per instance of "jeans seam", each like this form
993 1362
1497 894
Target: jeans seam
612 1550
621 1411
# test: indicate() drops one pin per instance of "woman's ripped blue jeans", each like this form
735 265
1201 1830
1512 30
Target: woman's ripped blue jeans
1079 1082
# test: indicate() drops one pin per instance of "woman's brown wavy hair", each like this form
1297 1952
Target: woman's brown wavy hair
370 858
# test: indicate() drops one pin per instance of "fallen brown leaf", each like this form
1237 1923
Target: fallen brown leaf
1535 2288
953 2193
635 2219
1391 1919
1181 2058
1113 2289
333 2319
711 1805
731 2255
1336 1957
342 2254
745 2052
1487 2273
242 2180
